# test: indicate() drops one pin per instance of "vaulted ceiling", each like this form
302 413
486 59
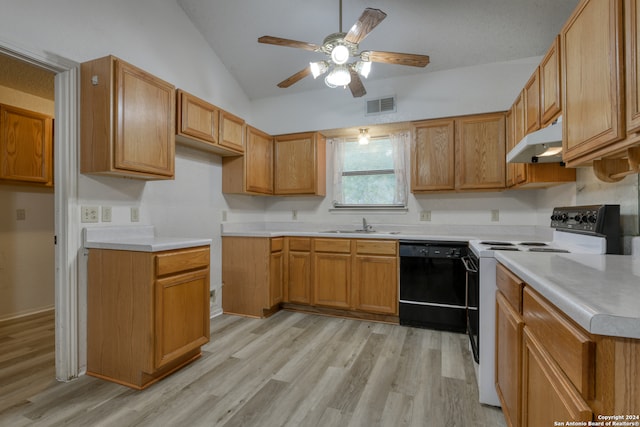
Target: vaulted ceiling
454 33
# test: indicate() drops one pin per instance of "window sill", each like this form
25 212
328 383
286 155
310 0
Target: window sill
352 208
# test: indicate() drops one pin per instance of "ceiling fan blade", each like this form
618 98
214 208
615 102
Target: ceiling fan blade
367 22
295 78
410 59
356 86
289 43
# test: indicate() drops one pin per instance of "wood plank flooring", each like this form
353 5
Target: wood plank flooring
292 369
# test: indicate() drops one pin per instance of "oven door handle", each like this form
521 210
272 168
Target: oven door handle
469 265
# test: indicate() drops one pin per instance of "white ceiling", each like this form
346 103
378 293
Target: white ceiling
454 33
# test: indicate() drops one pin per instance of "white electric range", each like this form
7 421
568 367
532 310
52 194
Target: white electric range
591 229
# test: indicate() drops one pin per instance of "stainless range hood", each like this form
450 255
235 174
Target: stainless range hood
541 146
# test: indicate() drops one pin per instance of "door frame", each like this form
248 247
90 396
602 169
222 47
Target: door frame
67 222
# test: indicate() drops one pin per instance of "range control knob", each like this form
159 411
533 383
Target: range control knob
592 219
564 217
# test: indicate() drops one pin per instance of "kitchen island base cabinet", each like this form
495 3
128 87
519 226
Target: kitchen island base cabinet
147 313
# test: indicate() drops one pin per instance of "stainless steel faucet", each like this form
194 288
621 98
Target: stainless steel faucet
365 226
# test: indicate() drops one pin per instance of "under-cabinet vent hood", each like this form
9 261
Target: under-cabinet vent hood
541 146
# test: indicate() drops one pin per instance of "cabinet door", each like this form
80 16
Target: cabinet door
632 46
197 118
258 162
231 131
480 152
181 315
592 66
433 156
276 279
509 326
332 279
532 103
299 283
145 130
25 146
548 396
375 284
550 103
295 164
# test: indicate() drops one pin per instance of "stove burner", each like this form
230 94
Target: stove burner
533 244
548 250
493 243
503 248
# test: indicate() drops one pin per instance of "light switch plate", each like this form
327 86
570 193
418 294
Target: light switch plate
425 216
89 214
135 214
106 214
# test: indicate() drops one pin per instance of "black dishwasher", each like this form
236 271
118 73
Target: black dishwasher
433 285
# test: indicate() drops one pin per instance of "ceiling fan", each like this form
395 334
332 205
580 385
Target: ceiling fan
340 48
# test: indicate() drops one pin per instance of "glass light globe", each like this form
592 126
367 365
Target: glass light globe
340 76
340 54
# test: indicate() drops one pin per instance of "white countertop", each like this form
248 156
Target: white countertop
599 292
138 238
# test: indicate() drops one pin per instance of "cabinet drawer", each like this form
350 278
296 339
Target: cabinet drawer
511 286
376 247
332 245
277 244
300 244
569 345
182 260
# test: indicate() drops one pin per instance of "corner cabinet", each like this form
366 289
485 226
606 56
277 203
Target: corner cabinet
26 147
252 288
299 162
253 172
127 121
459 154
147 313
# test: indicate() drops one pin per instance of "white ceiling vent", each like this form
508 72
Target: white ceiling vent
381 105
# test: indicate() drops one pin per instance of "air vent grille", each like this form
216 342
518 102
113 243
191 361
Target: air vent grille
381 105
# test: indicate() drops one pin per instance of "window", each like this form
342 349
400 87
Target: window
371 175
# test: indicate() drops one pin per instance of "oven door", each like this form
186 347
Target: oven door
472 265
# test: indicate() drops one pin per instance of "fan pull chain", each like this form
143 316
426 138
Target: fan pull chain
340 15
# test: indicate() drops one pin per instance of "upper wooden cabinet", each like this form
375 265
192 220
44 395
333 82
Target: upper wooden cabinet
300 164
592 81
433 156
459 153
231 132
26 152
480 152
532 102
550 84
127 121
253 172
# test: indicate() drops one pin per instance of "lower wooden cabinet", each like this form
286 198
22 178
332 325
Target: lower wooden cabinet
350 276
298 279
549 369
147 313
332 273
548 396
375 276
252 275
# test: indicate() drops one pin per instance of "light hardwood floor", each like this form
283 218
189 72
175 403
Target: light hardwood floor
291 369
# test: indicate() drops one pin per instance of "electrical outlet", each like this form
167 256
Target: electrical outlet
106 214
495 215
294 214
89 214
425 216
135 214
21 214
212 296
224 215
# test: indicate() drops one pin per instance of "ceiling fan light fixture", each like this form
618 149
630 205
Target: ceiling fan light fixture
363 68
339 76
340 54
318 68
